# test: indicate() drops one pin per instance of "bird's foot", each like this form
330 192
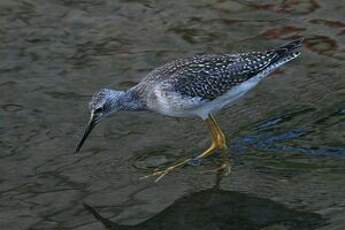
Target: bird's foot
224 168
162 173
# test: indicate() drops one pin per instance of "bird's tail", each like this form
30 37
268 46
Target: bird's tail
286 52
292 48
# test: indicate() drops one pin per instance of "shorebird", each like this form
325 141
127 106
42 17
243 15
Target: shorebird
198 86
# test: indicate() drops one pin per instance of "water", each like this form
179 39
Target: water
287 136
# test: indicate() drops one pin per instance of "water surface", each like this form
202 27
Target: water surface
287 136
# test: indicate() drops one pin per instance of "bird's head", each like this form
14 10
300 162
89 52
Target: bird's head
102 104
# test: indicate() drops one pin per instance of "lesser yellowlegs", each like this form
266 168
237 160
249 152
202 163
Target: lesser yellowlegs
193 87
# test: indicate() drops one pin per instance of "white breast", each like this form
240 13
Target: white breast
174 104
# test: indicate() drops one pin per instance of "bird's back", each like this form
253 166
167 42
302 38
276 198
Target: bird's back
210 76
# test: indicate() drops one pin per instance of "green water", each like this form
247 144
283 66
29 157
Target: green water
286 137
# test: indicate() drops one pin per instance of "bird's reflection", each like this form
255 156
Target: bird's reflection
216 209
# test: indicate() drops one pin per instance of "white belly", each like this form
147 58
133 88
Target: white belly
236 92
228 98
173 104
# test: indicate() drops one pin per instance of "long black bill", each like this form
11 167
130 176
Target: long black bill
92 123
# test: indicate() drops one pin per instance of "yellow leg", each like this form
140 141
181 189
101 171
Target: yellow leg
220 135
214 146
218 142
226 165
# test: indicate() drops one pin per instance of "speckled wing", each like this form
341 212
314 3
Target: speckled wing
210 76
206 77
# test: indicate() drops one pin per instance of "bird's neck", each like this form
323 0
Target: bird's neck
128 101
